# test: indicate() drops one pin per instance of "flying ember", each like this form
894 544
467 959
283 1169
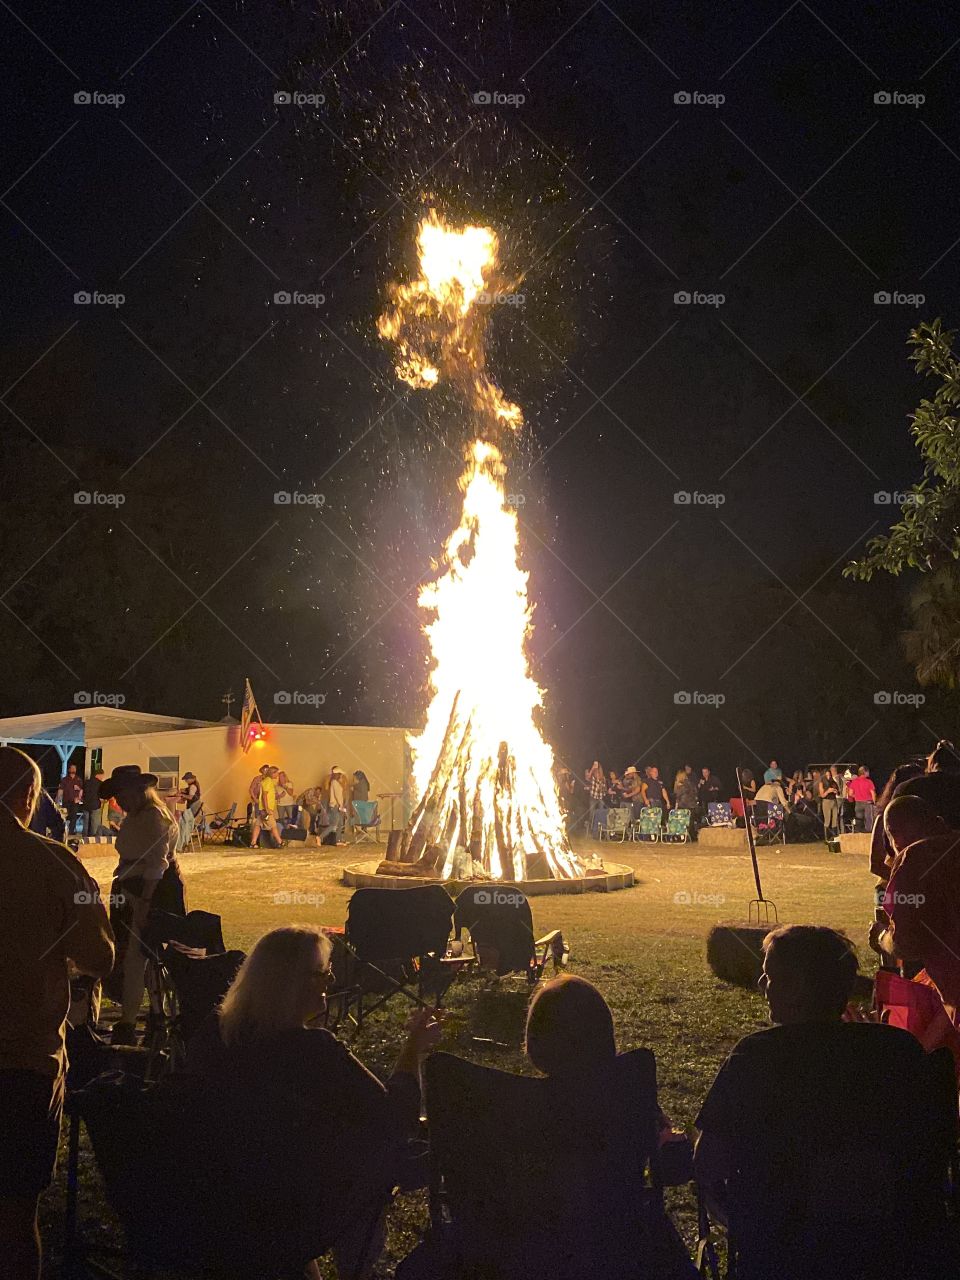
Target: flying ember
488 804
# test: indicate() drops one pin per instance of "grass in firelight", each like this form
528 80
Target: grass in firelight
643 947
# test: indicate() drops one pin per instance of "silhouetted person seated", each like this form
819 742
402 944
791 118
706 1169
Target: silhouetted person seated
553 1181
349 1132
820 1139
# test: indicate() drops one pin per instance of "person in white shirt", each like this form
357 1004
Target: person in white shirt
337 804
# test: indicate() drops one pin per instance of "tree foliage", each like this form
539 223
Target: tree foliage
926 537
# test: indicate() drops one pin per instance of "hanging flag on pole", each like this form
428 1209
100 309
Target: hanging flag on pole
251 726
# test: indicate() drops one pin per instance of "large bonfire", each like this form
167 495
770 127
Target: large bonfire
488 803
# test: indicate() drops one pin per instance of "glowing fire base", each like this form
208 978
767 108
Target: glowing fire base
365 875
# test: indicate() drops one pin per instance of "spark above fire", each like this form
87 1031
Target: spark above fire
488 804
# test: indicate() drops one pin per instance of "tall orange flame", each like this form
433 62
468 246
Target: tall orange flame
483 772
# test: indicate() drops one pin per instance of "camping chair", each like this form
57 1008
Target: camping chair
719 814
366 816
188 973
859 1232
498 919
648 826
678 826
217 828
616 825
769 823
532 1177
205 1187
396 942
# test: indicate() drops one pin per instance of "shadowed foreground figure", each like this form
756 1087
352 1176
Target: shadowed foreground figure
50 917
546 1176
263 1061
823 1143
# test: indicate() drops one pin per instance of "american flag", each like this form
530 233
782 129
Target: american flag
248 715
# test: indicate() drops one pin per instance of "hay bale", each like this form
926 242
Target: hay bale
734 952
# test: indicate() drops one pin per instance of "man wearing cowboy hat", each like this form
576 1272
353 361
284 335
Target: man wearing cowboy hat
633 789
146 848
337 802
51 917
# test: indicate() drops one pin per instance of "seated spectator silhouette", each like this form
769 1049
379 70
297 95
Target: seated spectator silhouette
575 1143
820 1139
922 896
260 1055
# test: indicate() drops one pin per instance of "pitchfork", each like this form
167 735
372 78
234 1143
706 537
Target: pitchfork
758 908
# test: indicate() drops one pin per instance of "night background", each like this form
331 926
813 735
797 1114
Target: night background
199 398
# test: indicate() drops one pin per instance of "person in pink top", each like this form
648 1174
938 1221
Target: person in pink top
864 796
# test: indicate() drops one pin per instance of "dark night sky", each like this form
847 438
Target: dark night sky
198 198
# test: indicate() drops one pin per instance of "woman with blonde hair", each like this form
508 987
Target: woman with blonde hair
147 876
261 1051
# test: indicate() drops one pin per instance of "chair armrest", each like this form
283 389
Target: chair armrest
547 938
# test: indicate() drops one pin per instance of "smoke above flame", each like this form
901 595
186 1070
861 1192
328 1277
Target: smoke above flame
482 769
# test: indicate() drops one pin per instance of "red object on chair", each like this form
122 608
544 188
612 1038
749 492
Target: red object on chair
736 806
915 1006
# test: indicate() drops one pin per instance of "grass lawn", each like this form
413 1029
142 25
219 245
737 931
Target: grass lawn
643 947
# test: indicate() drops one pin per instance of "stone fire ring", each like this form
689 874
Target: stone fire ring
363 875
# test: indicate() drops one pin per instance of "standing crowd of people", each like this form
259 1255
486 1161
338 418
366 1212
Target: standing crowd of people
820 801
321 812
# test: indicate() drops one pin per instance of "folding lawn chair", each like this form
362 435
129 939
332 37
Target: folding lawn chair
719 814
500 924
617 824
217 828
188 973
366 818
649 824
536 1177
396 943
206 1187
678 826
769 823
